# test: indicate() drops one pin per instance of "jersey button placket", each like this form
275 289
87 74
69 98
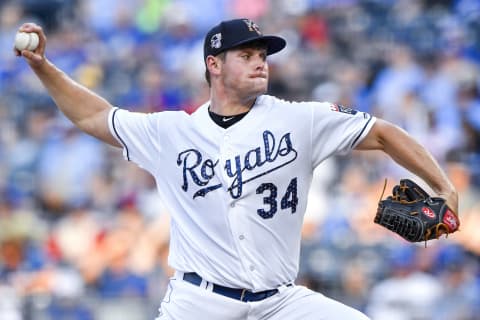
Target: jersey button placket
226 153
241 239
242 243
226 145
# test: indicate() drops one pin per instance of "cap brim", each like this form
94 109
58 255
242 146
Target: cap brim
274 43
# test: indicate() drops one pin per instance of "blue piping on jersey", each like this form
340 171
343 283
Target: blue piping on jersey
118 136
361 132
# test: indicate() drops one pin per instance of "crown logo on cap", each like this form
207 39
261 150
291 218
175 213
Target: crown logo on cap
252 26
216 41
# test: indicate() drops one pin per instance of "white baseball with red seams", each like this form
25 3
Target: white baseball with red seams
26 41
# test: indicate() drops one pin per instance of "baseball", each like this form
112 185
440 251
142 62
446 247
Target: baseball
26 41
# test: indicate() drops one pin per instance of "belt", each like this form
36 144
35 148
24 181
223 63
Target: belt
237 294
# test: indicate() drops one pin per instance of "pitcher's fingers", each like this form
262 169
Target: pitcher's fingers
29 27
30 55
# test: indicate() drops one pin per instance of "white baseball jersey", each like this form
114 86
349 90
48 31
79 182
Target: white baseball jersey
237 196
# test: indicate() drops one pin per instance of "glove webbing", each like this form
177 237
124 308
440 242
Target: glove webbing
411 227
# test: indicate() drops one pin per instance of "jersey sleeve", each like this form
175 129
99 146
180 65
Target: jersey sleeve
337 130
139 134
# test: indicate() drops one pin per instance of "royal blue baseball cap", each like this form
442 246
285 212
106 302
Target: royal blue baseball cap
233 33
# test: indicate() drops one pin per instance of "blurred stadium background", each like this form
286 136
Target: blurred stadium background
82 232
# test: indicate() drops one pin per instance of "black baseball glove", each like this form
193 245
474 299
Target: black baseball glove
414 215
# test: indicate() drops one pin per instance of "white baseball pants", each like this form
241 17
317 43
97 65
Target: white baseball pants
186 301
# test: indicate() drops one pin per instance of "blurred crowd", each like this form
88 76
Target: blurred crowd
83 234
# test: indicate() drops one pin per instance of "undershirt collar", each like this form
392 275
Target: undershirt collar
226 121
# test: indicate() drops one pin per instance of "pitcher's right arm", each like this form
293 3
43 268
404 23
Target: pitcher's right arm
87 110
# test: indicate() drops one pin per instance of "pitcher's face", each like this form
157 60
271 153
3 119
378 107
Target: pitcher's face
245 72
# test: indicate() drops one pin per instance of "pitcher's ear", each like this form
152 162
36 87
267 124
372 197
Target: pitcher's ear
213 64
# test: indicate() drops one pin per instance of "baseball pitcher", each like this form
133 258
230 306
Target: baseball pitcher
235 176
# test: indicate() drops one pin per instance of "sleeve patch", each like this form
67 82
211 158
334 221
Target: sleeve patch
340 108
